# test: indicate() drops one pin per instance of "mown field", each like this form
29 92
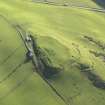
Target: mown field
72 38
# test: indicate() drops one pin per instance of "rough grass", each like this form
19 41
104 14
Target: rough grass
60 32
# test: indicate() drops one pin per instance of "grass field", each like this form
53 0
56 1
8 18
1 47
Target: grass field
71 37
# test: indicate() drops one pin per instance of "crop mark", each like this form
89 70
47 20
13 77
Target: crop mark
9 56
77 48
15 69
12 25
12 72
15 87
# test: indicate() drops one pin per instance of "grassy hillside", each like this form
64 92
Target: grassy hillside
18 83
72 38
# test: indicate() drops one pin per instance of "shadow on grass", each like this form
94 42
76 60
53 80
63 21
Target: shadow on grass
96 80
101 3
45 66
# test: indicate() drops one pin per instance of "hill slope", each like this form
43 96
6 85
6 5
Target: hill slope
72 38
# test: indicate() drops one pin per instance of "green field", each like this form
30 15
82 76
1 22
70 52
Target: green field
71 37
